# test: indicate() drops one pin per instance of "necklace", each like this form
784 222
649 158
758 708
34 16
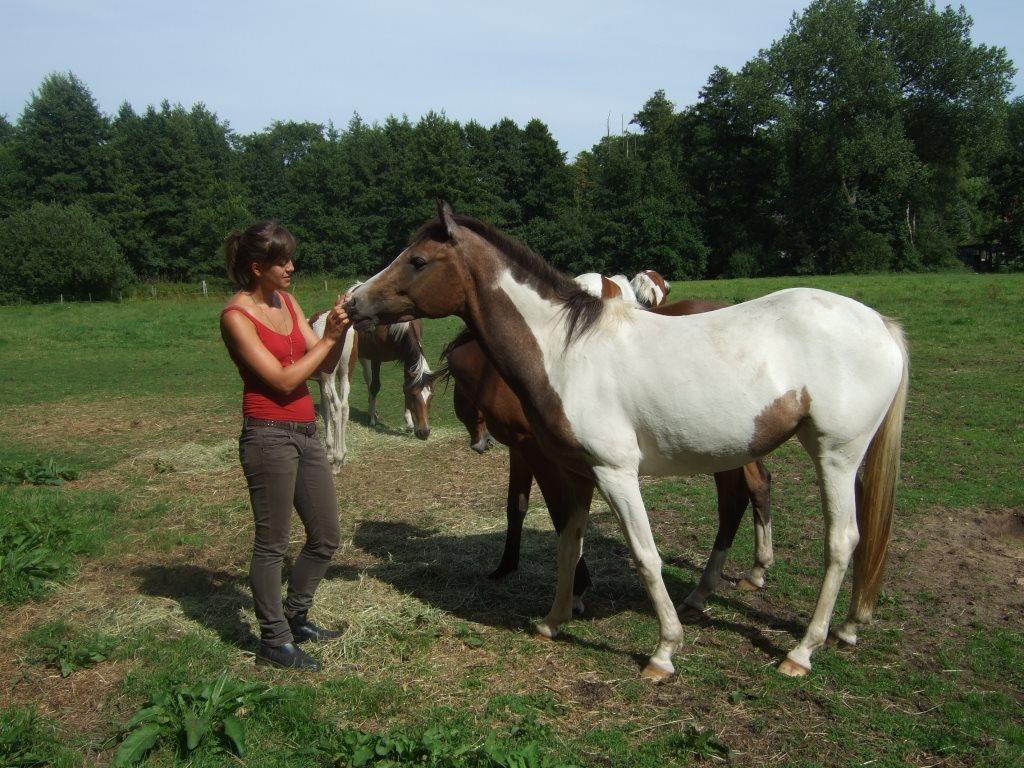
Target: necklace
273 327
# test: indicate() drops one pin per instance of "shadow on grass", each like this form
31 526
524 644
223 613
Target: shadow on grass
449 571
214 598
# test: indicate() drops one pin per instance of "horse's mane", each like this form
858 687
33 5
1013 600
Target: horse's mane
582 310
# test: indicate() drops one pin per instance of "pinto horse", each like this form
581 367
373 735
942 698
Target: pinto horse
487 407
613 391
401 341
616 287
650 288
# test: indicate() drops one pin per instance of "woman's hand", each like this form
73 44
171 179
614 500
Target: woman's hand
337 320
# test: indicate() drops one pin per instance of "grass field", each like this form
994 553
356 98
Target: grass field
125 585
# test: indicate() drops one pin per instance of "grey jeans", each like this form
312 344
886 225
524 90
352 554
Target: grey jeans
286 469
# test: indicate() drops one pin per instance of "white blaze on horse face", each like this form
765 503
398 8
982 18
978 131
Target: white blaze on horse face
646 290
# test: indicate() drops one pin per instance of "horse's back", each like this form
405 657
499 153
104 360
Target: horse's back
699 386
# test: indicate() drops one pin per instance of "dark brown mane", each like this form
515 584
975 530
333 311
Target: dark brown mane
581 308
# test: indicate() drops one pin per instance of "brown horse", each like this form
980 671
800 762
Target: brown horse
402 342
489 409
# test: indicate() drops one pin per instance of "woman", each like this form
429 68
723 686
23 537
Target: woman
276 351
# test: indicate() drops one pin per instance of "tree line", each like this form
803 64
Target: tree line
874 135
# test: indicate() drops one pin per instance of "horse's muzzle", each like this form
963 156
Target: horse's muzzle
422 432
362 322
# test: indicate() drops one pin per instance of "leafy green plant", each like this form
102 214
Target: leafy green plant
440 747
41 532
701 744
56 645
37 472
191 715
28 741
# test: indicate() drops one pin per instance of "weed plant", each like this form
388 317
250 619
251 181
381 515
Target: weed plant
28 740
187 716
61 647
41 534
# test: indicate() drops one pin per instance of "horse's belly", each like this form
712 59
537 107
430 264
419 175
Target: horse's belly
663 455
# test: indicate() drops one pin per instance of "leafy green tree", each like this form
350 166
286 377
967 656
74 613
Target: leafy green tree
12 184
49 250
60 143
1006 200
179 164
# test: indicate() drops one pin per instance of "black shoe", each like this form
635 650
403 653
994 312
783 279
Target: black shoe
303 630
288 655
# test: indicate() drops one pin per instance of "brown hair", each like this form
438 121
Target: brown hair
265 242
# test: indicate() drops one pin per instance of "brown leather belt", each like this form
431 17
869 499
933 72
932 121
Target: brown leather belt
307 428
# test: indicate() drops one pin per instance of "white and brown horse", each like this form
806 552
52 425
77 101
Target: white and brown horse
400 341
650 288
613 391
491 411
615 287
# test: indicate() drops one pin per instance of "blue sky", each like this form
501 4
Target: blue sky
578 66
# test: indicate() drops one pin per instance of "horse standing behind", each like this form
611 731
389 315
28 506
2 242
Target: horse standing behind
487 407
706 393
401 341
650 288
335 387
615 287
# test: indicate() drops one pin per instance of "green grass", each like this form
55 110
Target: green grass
140 397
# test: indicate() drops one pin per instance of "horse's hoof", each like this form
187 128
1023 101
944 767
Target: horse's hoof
655 673
790 668
746 585
544 632
837 637
691 615
578 608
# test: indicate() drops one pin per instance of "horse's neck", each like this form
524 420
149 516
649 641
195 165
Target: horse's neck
410 349
520 331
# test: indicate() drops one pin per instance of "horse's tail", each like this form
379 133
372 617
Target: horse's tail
878 497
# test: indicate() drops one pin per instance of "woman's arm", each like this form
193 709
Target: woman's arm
240 336
331 361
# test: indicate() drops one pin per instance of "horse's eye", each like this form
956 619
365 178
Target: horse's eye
418 262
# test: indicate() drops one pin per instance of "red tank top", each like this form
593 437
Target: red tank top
259 399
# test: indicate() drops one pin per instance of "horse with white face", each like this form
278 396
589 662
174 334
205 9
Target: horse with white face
615 287
704 393
399 342
650 288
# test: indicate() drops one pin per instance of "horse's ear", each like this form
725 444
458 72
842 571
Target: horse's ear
444 213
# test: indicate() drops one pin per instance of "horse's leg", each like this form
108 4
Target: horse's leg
517 502
371 374
325 411
570 547
341 417
837 473
732 503
622 490
759 485
330 405
560 493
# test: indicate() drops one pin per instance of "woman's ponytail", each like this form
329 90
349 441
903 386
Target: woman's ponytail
265 243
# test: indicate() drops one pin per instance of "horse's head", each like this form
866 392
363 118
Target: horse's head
419 392
427 279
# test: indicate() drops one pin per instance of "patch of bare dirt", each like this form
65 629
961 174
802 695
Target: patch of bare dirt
961 566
